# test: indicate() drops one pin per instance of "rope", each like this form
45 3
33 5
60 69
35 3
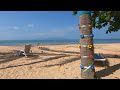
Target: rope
82 36
88 46
85 26
86 68
91 56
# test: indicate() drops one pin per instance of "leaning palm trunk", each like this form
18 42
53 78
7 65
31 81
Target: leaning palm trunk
86 47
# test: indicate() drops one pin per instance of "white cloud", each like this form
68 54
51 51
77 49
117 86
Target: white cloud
58 32
16 27
54 33
31 25
71 28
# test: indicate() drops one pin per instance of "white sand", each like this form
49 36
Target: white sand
56 62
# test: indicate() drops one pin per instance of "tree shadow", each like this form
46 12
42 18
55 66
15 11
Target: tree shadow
96 63
44 60
34 56
47 49
64 62
49 54
111 56
13 55
6 57
102 63
108 71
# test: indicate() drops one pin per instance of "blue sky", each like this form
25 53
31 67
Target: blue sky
24 25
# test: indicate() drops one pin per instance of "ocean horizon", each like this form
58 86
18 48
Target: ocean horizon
56 42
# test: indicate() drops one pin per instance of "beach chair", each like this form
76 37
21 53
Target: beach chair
99 57
27 51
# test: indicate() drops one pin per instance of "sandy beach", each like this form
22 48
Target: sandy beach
56 62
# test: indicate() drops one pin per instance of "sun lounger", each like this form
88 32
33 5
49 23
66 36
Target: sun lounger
99 57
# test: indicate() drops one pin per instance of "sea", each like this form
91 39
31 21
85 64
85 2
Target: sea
53 42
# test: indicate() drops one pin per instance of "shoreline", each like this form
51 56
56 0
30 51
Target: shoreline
60 44
54 42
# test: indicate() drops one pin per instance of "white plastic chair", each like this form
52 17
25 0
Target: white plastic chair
27 51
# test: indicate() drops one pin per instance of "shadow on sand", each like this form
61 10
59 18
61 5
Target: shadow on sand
64 62
47 49
6 57
35 62
108 71
111 56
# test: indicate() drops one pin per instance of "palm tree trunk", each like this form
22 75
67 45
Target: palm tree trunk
87 54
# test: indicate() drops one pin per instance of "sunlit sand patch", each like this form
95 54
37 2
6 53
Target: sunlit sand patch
56 62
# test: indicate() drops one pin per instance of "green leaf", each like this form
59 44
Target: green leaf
74 12
103 18
107 32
